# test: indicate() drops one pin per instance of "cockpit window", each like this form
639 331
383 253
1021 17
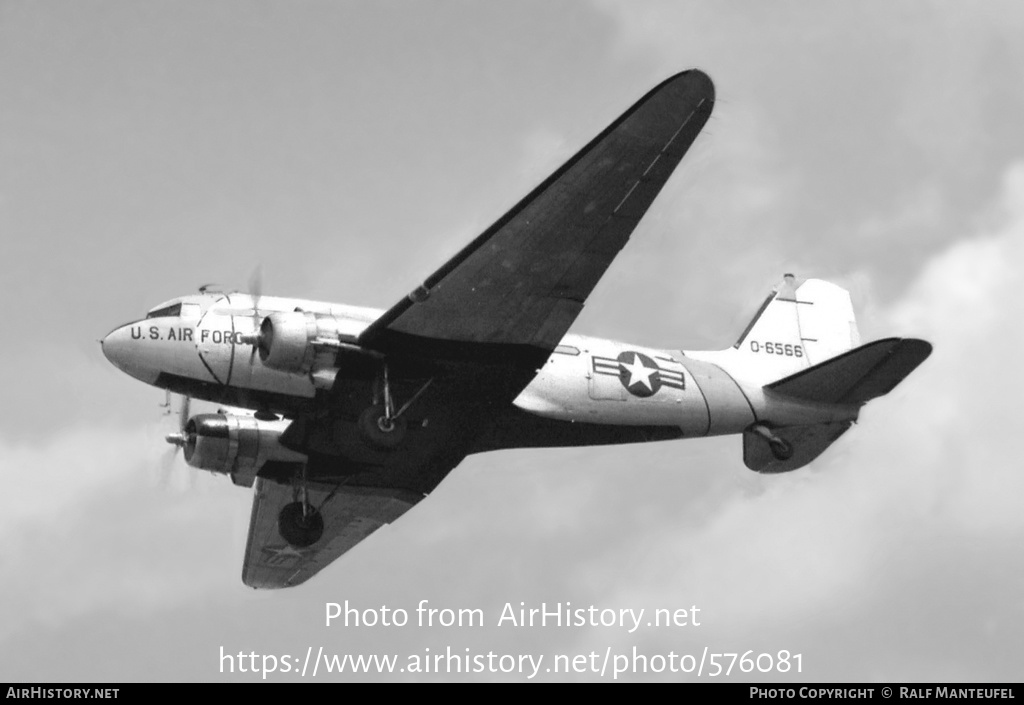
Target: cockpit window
172 310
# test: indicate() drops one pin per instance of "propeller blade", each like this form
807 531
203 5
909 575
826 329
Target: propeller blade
178 440
167 461
255 292
183 414
256 285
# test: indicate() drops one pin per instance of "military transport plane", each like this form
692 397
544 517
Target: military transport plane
346 417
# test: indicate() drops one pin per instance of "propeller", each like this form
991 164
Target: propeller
178 439
255 292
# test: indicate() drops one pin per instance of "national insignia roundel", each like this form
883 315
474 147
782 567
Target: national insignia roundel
638 373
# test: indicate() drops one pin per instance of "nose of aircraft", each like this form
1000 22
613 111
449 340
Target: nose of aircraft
121 347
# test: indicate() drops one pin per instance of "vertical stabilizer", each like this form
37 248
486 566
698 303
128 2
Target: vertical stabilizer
796 327
827 324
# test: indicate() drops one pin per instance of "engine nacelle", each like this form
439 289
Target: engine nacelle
298 341
236 445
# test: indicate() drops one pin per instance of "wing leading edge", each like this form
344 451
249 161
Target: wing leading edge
523 281
508 297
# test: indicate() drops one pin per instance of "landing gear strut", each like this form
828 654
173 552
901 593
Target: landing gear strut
781 448
381 425
300 523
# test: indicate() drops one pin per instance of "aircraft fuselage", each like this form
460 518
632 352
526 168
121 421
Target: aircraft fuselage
196 346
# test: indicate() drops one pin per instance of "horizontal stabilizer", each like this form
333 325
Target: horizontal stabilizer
857 376
806 444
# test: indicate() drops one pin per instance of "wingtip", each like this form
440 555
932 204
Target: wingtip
699 80
921 349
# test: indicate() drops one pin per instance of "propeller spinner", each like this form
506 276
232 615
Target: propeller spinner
180 437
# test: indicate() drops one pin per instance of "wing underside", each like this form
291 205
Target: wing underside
483 323
808 442
350 514
523 281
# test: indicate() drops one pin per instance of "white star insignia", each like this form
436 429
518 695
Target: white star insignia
639 373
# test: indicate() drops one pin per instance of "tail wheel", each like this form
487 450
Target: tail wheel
300 528
780 447
782 450
380 431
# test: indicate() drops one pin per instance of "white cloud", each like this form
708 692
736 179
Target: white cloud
922 498
89 524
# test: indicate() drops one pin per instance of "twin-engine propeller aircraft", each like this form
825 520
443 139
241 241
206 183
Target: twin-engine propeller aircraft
354 415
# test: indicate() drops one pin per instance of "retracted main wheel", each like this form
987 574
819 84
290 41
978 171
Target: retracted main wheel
380 431
300 528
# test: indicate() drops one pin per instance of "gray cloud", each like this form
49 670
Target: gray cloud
351 149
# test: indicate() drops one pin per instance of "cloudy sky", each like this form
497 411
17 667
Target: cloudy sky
350 148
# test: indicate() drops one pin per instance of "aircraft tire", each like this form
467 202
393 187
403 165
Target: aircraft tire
372 426
297 529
